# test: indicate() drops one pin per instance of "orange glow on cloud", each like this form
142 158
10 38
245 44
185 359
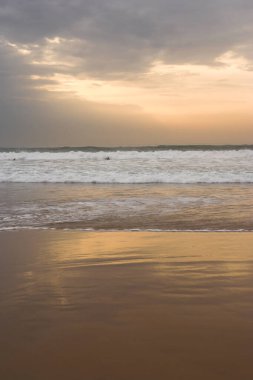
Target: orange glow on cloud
170 89
179 93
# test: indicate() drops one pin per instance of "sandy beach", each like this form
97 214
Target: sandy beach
126 305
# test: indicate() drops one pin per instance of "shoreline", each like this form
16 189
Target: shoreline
138 230
159 207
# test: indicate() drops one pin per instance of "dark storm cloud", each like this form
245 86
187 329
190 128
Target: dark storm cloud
116 37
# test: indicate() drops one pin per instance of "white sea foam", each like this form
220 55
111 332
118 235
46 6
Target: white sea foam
158 166
205 230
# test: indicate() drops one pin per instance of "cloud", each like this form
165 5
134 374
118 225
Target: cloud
116 46
113 38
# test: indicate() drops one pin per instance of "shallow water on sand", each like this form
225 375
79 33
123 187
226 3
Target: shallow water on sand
123 306
145 206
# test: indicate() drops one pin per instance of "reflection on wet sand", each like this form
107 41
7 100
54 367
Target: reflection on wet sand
126 305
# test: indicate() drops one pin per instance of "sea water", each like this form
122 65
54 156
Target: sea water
146 188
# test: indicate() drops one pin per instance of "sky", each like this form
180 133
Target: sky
117 72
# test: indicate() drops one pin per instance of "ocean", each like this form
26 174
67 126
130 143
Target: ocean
164 188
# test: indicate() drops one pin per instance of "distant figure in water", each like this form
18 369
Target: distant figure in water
107 158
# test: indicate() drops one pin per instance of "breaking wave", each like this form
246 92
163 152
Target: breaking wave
132 165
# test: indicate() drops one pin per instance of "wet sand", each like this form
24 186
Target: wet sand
126 305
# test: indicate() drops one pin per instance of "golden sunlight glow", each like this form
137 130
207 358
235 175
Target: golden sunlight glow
169 89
